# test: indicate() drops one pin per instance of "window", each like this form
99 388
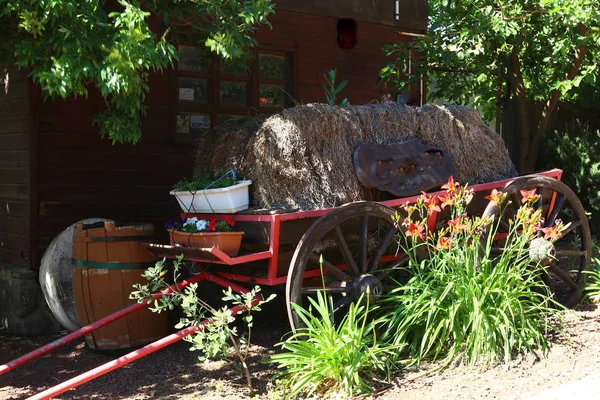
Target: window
210 92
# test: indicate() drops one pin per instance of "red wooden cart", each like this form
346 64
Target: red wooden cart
354 241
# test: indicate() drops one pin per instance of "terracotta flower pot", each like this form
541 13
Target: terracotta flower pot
228 242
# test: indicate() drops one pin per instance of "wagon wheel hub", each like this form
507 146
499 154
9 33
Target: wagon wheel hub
367 283
542 251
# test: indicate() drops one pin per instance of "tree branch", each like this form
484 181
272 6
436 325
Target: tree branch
580 53
515 77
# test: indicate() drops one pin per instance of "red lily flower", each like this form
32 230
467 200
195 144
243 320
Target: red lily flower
529 196
415 231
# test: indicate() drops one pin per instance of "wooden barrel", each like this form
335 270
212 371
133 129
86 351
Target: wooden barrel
107 261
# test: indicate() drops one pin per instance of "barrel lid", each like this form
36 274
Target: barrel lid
116 228
56 279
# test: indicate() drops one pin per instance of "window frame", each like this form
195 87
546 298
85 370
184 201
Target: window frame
215 76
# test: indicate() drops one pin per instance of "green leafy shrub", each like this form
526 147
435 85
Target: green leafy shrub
593 288
326 359
574 150
204 180
218 338
465 300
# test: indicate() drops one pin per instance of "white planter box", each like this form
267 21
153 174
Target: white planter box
223 200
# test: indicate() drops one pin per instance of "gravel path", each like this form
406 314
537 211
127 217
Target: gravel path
570 370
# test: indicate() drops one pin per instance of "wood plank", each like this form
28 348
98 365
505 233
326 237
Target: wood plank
114 209
89 105
13 191
112 194
15 208
17 176
14 158
108 177
82 121
14 225
18 87
14 124
14 242
13 257
14 107
14 141
154 133
412 14
148 158
48 228
79 124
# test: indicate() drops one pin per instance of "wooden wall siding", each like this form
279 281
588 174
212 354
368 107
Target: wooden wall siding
83 176
14 167
412 15
313 39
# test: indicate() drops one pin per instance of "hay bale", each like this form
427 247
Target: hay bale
302 157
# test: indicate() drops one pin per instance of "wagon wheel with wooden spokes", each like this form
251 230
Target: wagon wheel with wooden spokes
566 259
359 250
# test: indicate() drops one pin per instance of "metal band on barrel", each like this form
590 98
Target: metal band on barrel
111 265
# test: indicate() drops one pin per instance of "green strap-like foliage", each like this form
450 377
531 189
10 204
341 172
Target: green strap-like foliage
72 46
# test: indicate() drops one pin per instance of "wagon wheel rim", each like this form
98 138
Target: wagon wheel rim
565 271
366 264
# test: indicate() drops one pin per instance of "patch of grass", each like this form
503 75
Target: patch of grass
326 359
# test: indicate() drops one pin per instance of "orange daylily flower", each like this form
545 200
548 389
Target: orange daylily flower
446 201
444 242
552 233
496 196
457 224
431 203
529 196
415 231
451 185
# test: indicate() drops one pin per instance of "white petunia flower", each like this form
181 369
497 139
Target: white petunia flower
191 221
201 224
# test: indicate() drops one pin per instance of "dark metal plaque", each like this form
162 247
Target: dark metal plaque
403 169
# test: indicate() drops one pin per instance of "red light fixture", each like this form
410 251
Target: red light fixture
346 29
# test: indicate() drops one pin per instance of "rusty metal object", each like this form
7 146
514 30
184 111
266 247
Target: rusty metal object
403 169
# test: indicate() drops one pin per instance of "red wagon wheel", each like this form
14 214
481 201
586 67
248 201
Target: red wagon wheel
570 255
359 249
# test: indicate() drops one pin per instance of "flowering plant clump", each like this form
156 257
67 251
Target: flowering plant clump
195 225
220 337
477 294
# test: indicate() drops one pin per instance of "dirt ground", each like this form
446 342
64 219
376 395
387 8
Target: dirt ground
175 372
